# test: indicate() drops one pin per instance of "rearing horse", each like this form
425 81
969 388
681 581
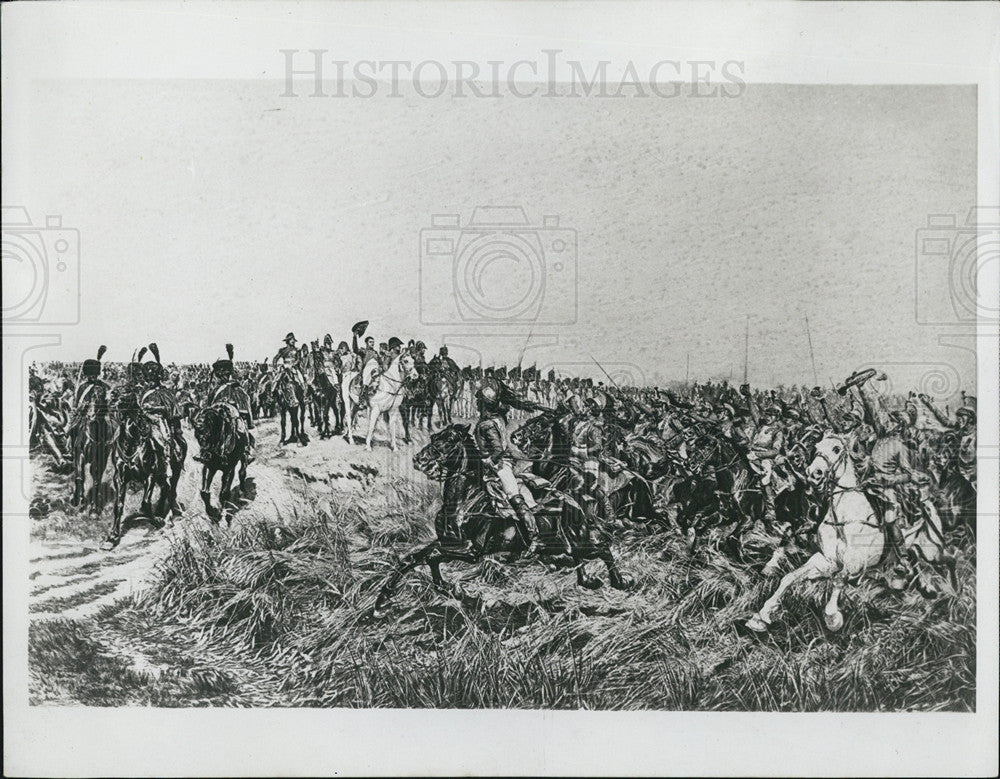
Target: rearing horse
850 535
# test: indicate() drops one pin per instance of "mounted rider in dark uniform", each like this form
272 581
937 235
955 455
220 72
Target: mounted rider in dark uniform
288 357
160 404
495 398
226 391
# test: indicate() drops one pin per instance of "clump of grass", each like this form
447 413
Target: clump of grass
297 597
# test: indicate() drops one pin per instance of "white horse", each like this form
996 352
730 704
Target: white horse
851 540
384 402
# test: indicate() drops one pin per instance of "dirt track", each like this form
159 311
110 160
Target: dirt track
71 577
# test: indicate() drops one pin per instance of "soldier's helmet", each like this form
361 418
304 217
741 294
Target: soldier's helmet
420 346
443 351
489 394
222 368
153 372
598 402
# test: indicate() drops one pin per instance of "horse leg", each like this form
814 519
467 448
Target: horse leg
373 416
115 534
207 476
410 561
225 492
78 474
403 410
390 421
832 615
816 567
282 441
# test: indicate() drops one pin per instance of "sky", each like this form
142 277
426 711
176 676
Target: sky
218 211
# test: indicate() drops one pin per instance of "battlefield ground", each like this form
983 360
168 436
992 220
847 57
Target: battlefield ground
276 610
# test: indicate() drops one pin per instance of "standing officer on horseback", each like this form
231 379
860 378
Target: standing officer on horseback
160 405
288 357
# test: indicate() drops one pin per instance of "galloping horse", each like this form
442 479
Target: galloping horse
136 458
851 537
224 443
90 432
452 457
385 401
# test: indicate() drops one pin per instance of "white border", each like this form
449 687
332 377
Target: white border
780 42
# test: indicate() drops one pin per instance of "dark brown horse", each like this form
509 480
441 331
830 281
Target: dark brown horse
488 526
224 442
136 457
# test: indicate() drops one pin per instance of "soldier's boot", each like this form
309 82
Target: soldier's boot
770 516
607 509
529 528
900 573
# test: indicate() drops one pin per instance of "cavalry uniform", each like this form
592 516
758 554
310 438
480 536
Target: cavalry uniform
498 462
161 407
288 356
765 447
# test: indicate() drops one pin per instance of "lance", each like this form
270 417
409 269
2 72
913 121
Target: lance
746 351
604 372
687 368
811 355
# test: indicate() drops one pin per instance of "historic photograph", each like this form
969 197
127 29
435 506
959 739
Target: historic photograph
431 385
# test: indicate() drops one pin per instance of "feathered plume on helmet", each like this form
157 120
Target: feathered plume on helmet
92 368
221 367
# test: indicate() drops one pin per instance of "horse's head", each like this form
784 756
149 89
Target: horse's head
534 435
829 460
445 453
407 367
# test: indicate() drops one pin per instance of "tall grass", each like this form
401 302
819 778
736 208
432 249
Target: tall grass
296 596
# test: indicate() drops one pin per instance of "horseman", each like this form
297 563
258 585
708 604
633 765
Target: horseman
587 451
765 447
962 428
91 393
443 365
227 391
288 358
891 469
494 399
374 369
160 405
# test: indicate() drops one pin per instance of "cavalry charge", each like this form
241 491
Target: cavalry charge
812 483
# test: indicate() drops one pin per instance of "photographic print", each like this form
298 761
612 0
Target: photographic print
539 383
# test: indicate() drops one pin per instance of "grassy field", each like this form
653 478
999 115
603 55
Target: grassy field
278 611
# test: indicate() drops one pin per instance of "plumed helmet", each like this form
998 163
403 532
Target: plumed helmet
91 367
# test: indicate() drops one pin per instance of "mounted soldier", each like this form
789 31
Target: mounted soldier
227 391
495 398
287 360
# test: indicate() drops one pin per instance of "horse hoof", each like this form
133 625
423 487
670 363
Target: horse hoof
757 624
623 583
834 622
108 544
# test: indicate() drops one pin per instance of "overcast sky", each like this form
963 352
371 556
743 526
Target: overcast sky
220 211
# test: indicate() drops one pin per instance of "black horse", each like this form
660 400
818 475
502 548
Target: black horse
224 443
474 508
137 457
